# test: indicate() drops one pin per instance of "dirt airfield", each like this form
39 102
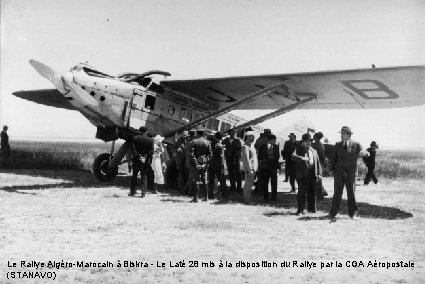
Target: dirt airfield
69 219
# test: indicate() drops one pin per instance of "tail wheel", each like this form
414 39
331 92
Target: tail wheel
100 168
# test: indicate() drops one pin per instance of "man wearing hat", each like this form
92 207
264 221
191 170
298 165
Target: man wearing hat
344 165
370 162
249 159
200 154
290 166
5 148
180 159
232 157
268 157
192 135
308 172
143 149
216 166
319 147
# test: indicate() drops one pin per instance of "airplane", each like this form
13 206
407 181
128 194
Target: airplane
119 105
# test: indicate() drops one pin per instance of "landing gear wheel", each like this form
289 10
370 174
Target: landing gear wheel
100 168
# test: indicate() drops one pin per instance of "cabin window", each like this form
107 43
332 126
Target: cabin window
185 114
225 127
149 102
215 124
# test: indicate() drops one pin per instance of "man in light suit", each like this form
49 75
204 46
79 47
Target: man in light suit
344 165
308 171
249 159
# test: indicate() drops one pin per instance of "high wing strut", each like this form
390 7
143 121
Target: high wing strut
261 93
278 112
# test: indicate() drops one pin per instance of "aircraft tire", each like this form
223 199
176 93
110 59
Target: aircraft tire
100 168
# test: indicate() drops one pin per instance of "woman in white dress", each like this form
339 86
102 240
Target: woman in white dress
157 163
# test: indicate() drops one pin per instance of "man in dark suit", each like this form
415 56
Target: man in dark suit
143 148
4 148
200 154
180 159
232 157
308 172
290 166
344 165
268 157
216 166
370 162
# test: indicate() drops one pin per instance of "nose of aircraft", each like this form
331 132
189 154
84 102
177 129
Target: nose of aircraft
50 74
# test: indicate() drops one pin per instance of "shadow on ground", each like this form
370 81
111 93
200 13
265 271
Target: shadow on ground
366 210
71 178
285 205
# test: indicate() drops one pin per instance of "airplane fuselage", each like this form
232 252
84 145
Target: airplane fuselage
123 104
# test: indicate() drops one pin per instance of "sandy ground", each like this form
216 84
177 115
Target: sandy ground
68 217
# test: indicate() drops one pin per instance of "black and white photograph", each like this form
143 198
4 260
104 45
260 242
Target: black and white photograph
215 141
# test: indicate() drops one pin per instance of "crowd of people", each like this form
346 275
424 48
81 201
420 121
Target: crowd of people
205 160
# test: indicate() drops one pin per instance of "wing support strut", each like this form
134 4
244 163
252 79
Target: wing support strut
273 114
255 95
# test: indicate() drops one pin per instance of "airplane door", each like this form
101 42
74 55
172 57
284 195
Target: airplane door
137 115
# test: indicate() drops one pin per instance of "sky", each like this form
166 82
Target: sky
199 39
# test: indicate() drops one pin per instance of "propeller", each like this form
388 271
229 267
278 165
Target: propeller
53 76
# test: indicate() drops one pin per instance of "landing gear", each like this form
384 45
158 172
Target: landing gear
101 168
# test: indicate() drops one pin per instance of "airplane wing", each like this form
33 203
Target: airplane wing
49 97
390 87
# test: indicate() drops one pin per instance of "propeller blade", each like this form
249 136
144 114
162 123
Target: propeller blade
50 74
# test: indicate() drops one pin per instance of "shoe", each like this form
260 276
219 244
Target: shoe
332 217
143 196
194 201
292 191
312 211
131 194
299 213
205 199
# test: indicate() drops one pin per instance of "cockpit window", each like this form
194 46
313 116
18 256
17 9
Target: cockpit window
95 73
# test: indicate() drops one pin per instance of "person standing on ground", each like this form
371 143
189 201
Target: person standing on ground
200 154
249 159
216 167
290 165
157 162
232 157
268 158
344 166
5 148
308 172
319 147
370 162
143 148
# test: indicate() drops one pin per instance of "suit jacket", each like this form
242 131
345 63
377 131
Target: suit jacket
200 147
232 149
346 160
303 167
143 145
262 156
